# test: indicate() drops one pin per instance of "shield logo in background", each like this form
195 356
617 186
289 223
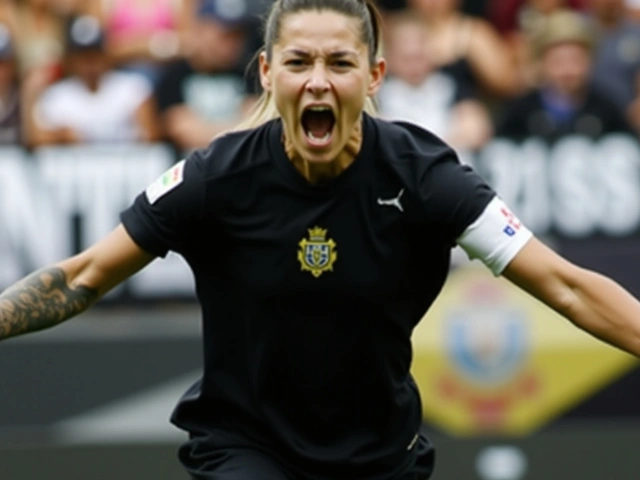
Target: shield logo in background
488 347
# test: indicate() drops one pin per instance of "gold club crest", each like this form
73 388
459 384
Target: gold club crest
317 254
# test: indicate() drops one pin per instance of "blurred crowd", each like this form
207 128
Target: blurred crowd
179 71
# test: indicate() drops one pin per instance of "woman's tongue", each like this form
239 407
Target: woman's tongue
318 126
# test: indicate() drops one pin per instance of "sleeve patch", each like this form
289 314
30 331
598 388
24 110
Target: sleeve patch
166 182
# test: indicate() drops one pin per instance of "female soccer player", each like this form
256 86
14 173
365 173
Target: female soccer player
318 239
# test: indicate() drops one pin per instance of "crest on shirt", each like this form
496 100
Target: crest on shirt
166 182
317 253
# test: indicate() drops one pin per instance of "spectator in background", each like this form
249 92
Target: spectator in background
616 67
10 127
511 16
518 21
143 35
565 103
208 92
469 48
417 92
39 29
94 103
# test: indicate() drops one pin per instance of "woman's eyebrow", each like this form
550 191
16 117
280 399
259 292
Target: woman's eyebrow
343 53
304 53
296 51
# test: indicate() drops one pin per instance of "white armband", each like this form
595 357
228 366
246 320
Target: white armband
495 237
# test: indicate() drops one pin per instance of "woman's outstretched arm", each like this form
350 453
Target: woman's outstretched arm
56 293
591 301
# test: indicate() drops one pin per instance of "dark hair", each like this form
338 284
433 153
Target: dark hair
363 10
370 27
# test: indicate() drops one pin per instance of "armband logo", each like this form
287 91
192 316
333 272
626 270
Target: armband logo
166 182
513 224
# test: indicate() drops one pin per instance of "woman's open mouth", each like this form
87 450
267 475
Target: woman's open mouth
318 122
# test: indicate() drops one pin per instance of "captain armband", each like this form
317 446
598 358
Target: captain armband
496 236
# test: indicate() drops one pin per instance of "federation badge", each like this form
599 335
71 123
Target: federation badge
317 254
166 182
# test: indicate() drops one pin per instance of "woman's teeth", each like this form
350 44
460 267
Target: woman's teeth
321 139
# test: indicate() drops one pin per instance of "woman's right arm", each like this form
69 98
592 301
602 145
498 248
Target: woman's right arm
54 294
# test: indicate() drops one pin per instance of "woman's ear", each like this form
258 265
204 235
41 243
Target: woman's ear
376 76
265 72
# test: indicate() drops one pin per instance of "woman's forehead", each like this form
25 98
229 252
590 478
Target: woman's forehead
327 27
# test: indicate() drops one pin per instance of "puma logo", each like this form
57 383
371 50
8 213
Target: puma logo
392 202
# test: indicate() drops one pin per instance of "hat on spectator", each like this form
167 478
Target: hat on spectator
84 33
6 44
228 13
564 26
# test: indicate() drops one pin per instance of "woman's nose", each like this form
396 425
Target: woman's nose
318 81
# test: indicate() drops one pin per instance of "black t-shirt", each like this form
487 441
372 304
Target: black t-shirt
310 293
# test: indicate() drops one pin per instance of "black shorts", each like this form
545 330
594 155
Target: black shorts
246 463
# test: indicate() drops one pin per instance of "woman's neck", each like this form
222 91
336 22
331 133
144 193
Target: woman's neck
319 172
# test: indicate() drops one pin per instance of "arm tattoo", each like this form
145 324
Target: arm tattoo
41 300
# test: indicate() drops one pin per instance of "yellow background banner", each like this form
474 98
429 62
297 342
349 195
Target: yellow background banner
490 359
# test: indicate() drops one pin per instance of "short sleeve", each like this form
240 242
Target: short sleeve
167 214
453 196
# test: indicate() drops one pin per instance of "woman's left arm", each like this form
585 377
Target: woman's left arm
591 301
